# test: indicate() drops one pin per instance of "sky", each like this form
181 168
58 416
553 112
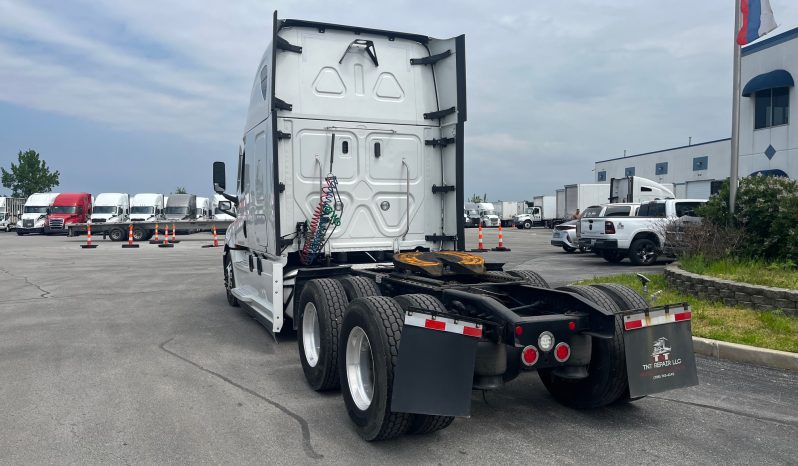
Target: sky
142 96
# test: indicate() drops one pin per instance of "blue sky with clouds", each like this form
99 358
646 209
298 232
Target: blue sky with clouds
143 96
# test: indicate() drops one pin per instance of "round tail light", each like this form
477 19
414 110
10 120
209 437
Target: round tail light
529 355
562 352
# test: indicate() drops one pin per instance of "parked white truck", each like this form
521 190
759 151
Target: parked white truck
110 208
487 214
507 211
347 233
218 212
34 213
640 238
10 212
204 211
581 196
540 212
638 189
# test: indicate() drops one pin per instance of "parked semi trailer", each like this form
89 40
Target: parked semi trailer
10 212
351 233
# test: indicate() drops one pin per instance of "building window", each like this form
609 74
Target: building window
771 107
602 176
700 163
630 171
662 168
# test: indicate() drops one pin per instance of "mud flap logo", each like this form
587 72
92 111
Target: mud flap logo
660 358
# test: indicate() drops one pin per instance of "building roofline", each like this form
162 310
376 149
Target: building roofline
665 150
770 42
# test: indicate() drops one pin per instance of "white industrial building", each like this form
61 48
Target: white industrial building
768 142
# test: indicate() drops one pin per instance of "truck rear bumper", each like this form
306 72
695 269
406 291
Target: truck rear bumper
599 244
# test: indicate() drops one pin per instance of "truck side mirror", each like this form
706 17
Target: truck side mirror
218 177
225 205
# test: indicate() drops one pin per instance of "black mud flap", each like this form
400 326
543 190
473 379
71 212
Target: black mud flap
436 366
659 350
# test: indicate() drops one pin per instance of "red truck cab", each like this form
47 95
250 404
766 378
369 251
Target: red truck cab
66 209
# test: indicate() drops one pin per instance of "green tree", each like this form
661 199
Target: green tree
181 190
475 199
31 175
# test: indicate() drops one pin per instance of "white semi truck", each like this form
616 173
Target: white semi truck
350 202
218 212
10 212
34 213
110 208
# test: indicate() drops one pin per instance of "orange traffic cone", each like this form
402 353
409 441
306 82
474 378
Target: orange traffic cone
88 244
480 246
174 230
130 238
155 240
500 247
166 243
215 240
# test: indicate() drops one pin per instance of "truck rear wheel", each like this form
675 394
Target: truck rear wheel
424 423
116 234
643 251
627 299
359 287
368 354
533 278
606 381
321 308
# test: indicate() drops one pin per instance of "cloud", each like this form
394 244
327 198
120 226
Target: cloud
552 86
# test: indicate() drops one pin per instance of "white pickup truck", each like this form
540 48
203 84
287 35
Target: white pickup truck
639 238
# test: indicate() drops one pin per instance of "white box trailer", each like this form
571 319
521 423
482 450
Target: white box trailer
548 206
582 196
10 212
350 229
560 202
507 211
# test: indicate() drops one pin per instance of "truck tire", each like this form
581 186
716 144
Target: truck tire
368 354
612 256
116 234
568 249
527 224
533 278
229 280
139 234
627 299
424 423
643 251
321 306
359 287
20 233
607 381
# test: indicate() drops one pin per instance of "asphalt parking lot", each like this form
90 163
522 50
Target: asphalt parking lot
133 356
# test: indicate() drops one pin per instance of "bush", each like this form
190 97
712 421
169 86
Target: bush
766 213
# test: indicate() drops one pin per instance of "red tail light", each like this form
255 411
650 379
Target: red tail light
562 352
529 355
609 228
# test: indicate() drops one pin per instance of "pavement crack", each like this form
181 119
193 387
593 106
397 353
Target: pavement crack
730 411
44 293
303 424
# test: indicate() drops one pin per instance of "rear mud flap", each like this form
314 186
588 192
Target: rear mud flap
435 371
659 351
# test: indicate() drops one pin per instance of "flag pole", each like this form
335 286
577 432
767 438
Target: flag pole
735 136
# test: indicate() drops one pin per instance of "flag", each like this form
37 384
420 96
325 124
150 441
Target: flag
758 20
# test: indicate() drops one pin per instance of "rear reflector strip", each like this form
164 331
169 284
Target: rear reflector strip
657 317
443 324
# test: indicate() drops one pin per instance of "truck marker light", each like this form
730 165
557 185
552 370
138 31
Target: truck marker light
546 341
519 330
443 324
562 352
529 355
571 325
680 316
